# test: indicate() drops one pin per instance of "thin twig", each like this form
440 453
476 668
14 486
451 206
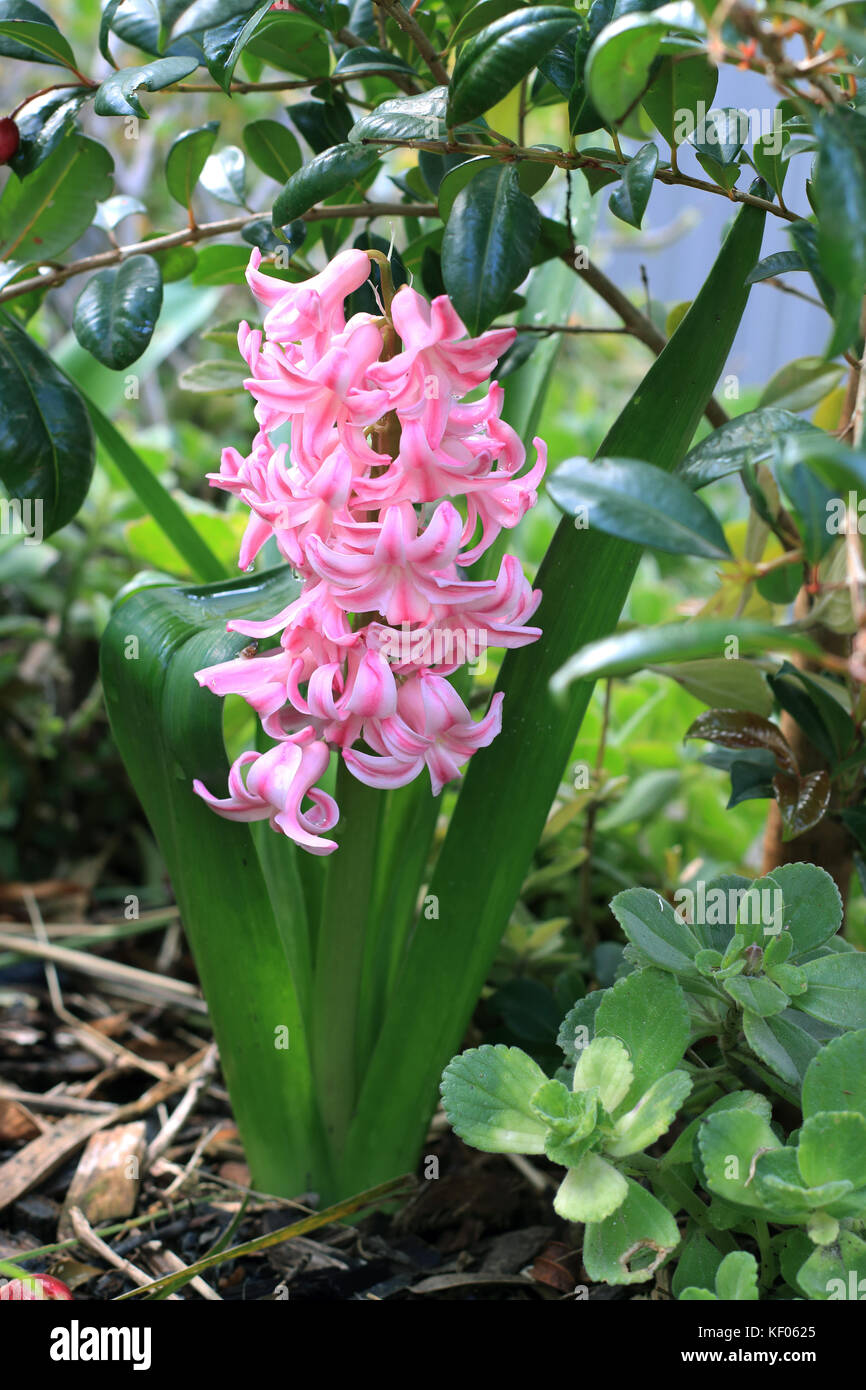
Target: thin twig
85 1233
203 232
153 986
411 27
535 154
185 1105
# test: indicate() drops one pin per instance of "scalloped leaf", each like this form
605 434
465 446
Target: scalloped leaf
487 1095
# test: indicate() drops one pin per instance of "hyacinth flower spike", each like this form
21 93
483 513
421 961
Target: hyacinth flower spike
364 502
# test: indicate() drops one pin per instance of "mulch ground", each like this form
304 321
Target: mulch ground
121 1164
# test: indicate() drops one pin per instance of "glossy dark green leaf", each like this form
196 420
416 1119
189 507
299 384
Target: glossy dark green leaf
322 123
583 118
801 384
584 580
46 443
678 87
324 175
207 14
420 117
809 501
291 43
805 238
637 502
42 41
499 56
531 177
722 134
750 439
840 190
273 148
488 244
223 46
224 176
629 200
619 64
54 206
117 310
780 263
823 719
43 123
186 159
24 11
361 62
117 95
481 15
669 642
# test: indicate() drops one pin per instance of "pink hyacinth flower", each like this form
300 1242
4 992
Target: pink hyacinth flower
276 784
432 728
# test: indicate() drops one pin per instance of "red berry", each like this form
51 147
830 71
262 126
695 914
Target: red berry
36 1287
9 139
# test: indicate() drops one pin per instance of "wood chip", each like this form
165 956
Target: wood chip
106 1182
17 1124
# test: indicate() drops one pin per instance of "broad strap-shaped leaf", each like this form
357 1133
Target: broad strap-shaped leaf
673 642
630 1245
488 245
487 1095
117 310
784 1042
638 502
324 175
46 444
500 56
584 579
248 934
840 189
